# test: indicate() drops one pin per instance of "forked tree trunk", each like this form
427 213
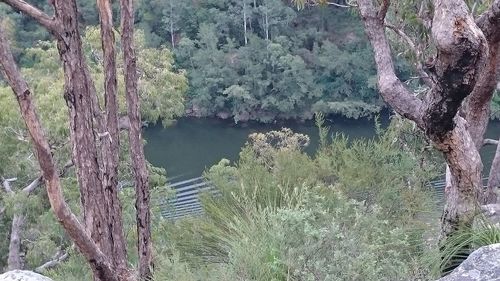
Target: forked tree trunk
94 138
99 263
464 70
93 142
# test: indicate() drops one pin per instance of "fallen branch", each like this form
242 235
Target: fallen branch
59 257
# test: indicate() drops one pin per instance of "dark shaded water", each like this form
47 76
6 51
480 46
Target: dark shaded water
190 146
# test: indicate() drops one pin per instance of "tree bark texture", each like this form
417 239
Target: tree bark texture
111 145
463 79
94 133
142 203
98 262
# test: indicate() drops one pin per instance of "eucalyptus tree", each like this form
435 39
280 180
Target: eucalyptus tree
458 65
94 134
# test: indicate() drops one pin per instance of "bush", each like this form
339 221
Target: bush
349 213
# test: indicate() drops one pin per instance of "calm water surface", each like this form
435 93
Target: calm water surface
190 146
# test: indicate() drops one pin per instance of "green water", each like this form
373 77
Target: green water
190 146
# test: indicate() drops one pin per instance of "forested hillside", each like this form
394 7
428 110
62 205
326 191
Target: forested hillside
253 59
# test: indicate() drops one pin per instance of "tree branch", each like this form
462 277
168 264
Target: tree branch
417 51
14 260
35 13
32 186
489 22
490 142
349 4
424 16
94 256
391 88
478 104
6 184
141 176
491 196
59 257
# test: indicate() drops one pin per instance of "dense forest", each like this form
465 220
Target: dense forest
254 59
250 60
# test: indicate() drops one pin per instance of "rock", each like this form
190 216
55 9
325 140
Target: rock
23 275
492 212
482 265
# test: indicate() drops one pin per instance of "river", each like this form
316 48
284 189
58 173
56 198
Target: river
190 146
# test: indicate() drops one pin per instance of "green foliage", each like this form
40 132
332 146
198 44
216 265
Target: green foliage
463 242
294 63
160 86
285 216
72 269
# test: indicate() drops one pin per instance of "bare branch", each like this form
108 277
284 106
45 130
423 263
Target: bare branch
6 184
312 3
424 15
59 257
490 142
32 186
35 13
391 88
491 196
417 51
14 260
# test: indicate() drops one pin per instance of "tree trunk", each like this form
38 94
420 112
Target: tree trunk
245 21
14 260
111 144
98 262
266 23
94 137
142 203
91 141
172 35
462 53
465 167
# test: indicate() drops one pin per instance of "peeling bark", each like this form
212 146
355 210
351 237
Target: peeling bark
141 177
111 145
